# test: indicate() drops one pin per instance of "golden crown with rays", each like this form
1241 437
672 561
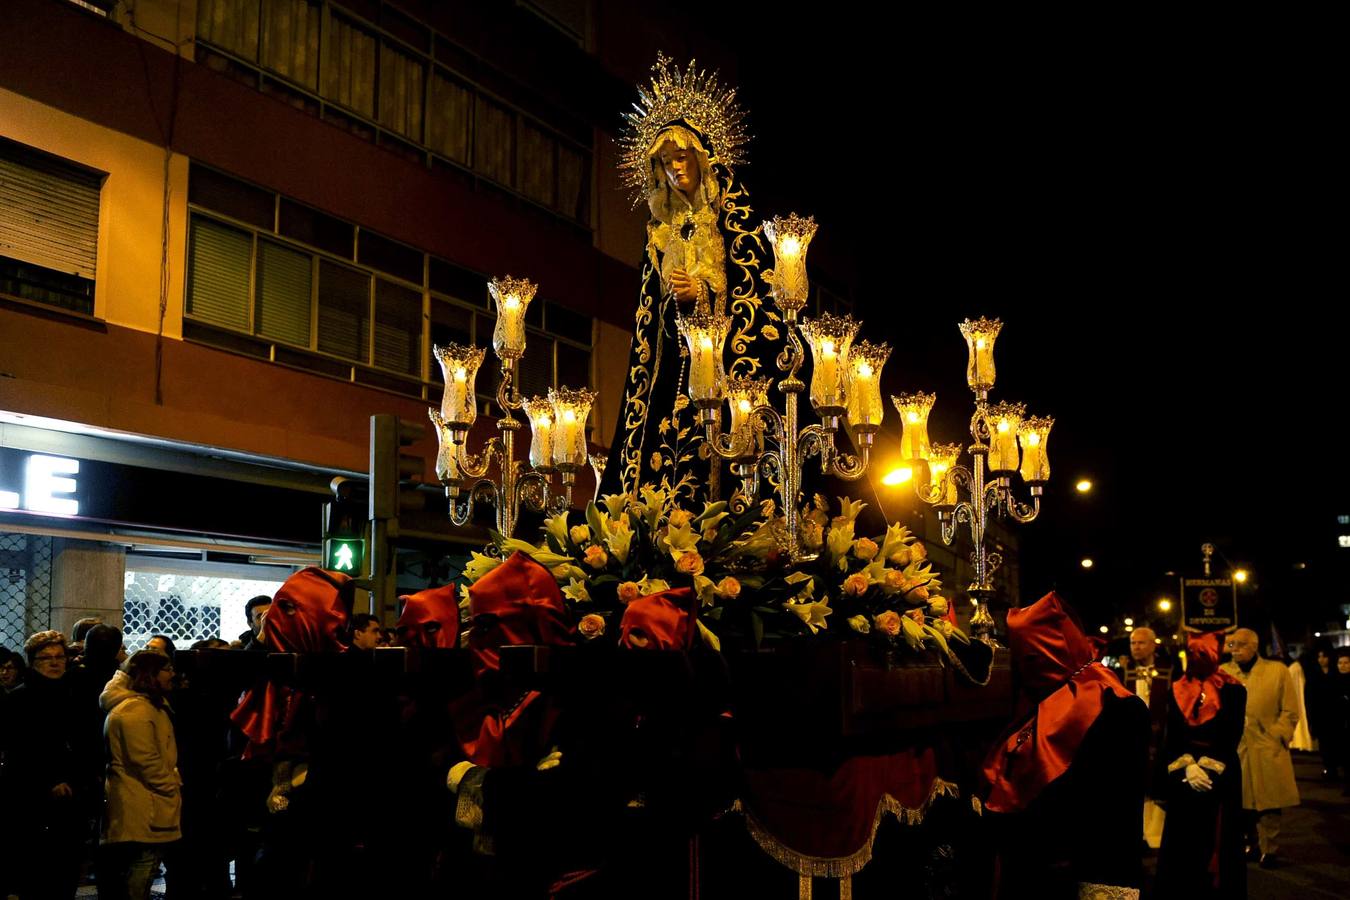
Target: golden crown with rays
693 96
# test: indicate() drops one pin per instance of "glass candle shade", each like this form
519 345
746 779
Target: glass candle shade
1033 434
830 338
790 237
540 411
447 462
743 395
940 461
865 360
570 409
459 366
980 336
513 296
914 410
1004 420
705 337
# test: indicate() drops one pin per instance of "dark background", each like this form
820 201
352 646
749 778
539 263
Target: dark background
1148 204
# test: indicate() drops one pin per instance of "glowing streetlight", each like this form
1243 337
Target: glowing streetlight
1129 628
1086 563
1157 640
1129 621
1165 605
1240 576
1083 486
898 476
1104 630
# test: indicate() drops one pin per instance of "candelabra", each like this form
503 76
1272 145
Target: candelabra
845 383
996 431
557 425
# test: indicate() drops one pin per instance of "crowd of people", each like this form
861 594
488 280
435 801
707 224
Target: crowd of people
113 766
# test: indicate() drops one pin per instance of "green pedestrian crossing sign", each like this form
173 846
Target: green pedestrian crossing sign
343 555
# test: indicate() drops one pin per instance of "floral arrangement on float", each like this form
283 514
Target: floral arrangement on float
882 586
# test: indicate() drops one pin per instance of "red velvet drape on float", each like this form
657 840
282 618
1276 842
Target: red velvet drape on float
516 603
1197 693
307 613
1055 661
823 824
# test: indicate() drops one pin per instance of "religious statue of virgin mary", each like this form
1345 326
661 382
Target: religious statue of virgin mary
705 253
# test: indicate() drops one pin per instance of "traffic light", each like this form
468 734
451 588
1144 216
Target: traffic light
344 528
390 468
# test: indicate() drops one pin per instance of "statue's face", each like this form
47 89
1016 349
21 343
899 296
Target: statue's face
681 167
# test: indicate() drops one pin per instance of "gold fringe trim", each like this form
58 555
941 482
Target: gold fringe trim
844 866
846 888
804 887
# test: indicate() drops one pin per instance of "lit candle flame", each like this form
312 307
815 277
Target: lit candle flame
789 247
827 348
864 370
461 375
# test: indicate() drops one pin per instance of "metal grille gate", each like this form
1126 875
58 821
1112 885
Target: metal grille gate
25 587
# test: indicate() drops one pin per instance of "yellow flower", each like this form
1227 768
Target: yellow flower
479 565
865 548
580 534
596 557
620 539
812 613
576 592
591 626
710 534
938 606
917 551
629 591
689 563
729 588
557 526
888 623
680 517
856 584
859 624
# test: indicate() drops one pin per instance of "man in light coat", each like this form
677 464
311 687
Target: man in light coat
1272 714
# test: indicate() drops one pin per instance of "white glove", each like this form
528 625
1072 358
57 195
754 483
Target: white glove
1198 778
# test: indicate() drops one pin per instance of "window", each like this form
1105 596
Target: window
369 68
48 228
325 295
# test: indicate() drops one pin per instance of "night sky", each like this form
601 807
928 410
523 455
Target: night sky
1145 207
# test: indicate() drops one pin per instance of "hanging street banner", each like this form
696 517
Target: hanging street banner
1208 604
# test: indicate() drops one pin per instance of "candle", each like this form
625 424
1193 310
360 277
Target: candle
459 366
570 409
864 390
830 338
705 336
940 462
513 296
540 412
1004 419
980 335
790 237
1034 435
447 463
914 410
743 395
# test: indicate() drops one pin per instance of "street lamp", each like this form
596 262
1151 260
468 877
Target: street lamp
1240 576
1086 563
1165 605
1083 486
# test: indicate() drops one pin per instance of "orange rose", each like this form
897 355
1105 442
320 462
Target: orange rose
917 552
856 584
591 626
596 557
888 623
629 591
900 558
897 581
710 534
729 588
865 549
915 614
938 606
689 564
918 594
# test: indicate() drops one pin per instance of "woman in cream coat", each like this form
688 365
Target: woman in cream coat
143 787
